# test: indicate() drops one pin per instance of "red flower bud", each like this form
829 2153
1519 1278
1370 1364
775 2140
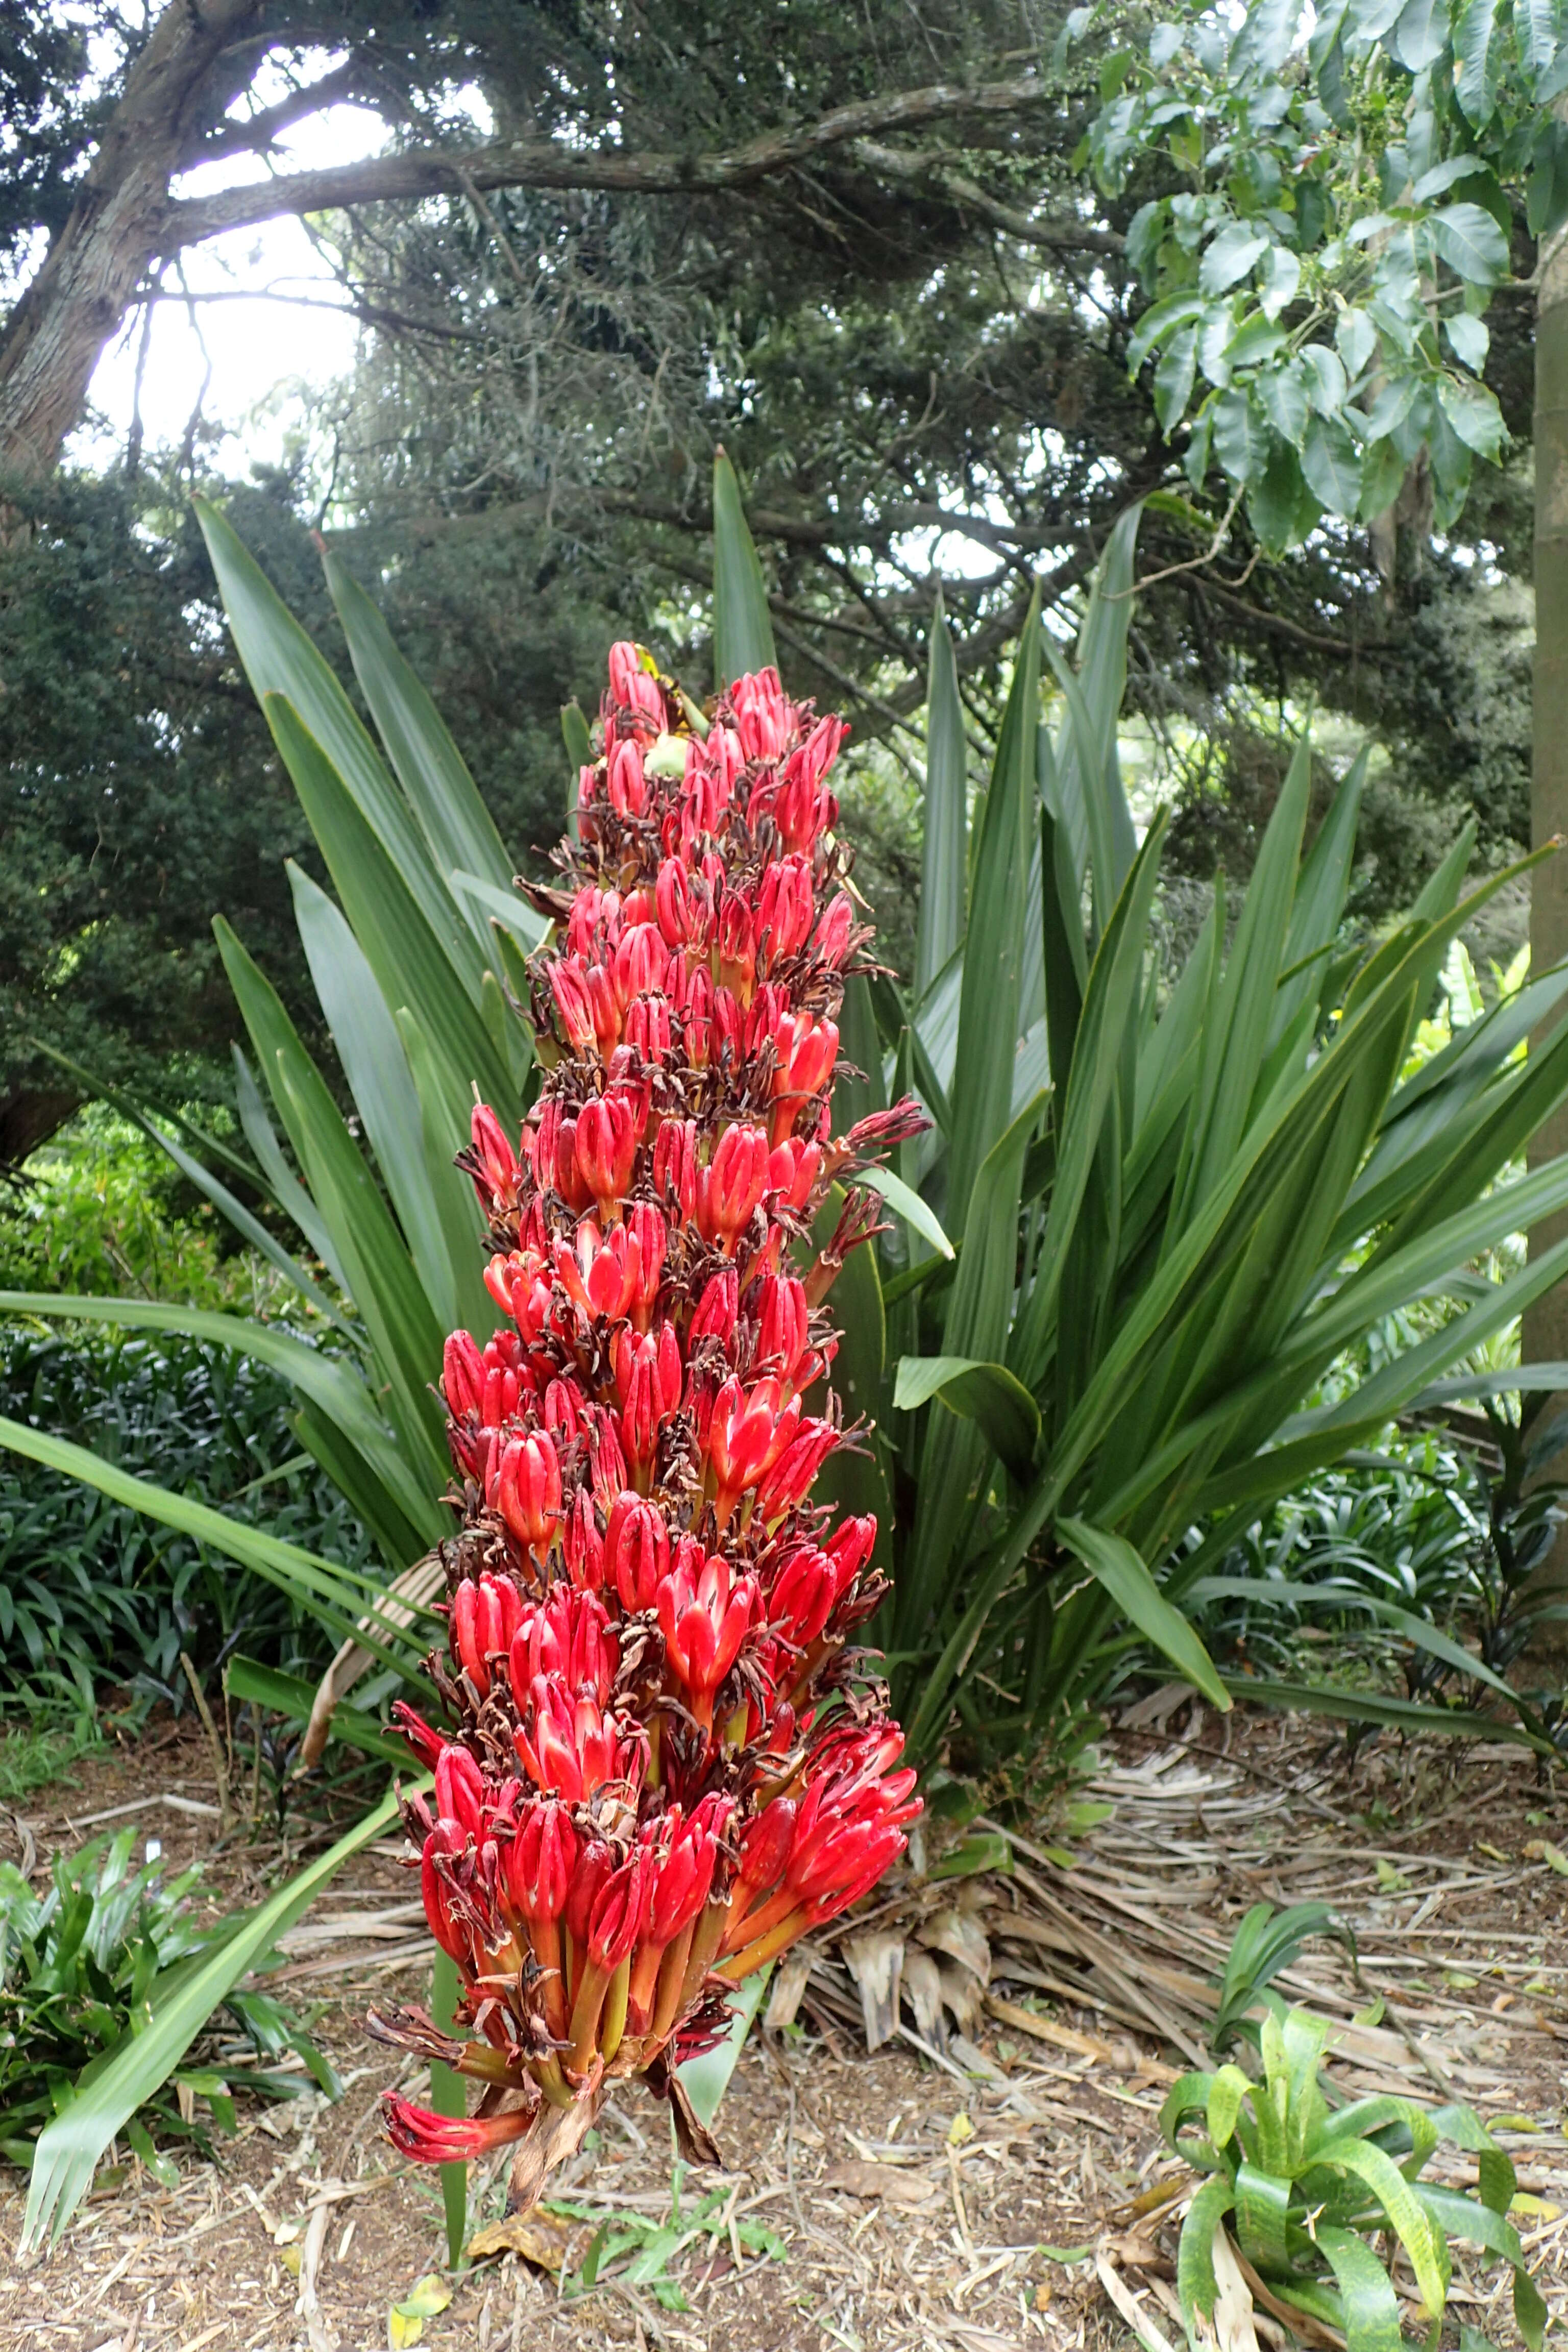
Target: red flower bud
704 1618
495 1181
594 1862
675 1169
764 1849
718 1308
582 1546
747 1435
459 1788
463 1374
540 1859
783 1326
429 2138
835 931
791 1477
526 1490
637 1552
608 1133
732 1184
620 1910
785 907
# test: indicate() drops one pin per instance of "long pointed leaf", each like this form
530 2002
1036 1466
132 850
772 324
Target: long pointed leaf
742 628
944 856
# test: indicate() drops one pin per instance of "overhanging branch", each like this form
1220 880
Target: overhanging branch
545 163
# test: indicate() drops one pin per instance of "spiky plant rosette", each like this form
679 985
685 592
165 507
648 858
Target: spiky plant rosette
669 1758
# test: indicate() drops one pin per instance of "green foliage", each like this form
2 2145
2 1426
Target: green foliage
1267 1941
101 1207
1329 236
653 2246
1224 1183
1308 2192
90 1592
77 1966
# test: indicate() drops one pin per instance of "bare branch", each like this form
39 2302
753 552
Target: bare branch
255 133
1065 234
545 163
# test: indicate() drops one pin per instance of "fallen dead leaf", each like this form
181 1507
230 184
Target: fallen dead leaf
884 2180
539 2240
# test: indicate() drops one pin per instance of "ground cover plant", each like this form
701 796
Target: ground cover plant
1312 2191
120 1597
78 1962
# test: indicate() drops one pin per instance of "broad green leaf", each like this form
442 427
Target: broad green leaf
1113 1562
981 1393
982 1092
1331 466
1474 413
180 2003
1263 2198
1467 237
457 827
742 628
1421 34
1475 60
1368 2303
1230 255
944 856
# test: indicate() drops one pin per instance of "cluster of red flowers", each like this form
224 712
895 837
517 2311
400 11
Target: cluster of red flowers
668 1759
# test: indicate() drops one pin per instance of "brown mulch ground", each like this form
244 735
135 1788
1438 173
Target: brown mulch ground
902 2199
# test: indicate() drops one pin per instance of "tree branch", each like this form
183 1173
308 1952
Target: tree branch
255 133
1063 235
545 163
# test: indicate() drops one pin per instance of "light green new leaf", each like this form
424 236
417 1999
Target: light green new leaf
981 1097
742 628
1113 1561
179 2003
985 1393
907 1203
705 2079
457 827
944 856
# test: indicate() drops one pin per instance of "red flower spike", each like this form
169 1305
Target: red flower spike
601 1840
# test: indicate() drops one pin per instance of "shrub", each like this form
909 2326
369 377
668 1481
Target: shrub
91 1591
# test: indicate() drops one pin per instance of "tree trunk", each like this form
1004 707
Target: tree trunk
28 1116
1546 1324
186 77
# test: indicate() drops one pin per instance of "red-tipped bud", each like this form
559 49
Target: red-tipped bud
637 1552
620 1910
582 1545
686 1875
748 1432
540 1859
678 916
495 1177
783 1326
794 1470
459 1788
764 1849
732 1184
463 1373
608 1133
646 1228
426 2137
785 907
675 1167
594 1862
526 1489
718 1308
834 933
704 1620
425 1742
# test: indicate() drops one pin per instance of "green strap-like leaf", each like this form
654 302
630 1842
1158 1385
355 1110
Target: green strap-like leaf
1195 2282
280 659
68 2148
907 1203
981 1096
1369 2308
985 1393
944 854
742 628
1113 1561
1366 2162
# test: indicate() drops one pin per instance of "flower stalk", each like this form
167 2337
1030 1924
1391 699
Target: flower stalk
664 1759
